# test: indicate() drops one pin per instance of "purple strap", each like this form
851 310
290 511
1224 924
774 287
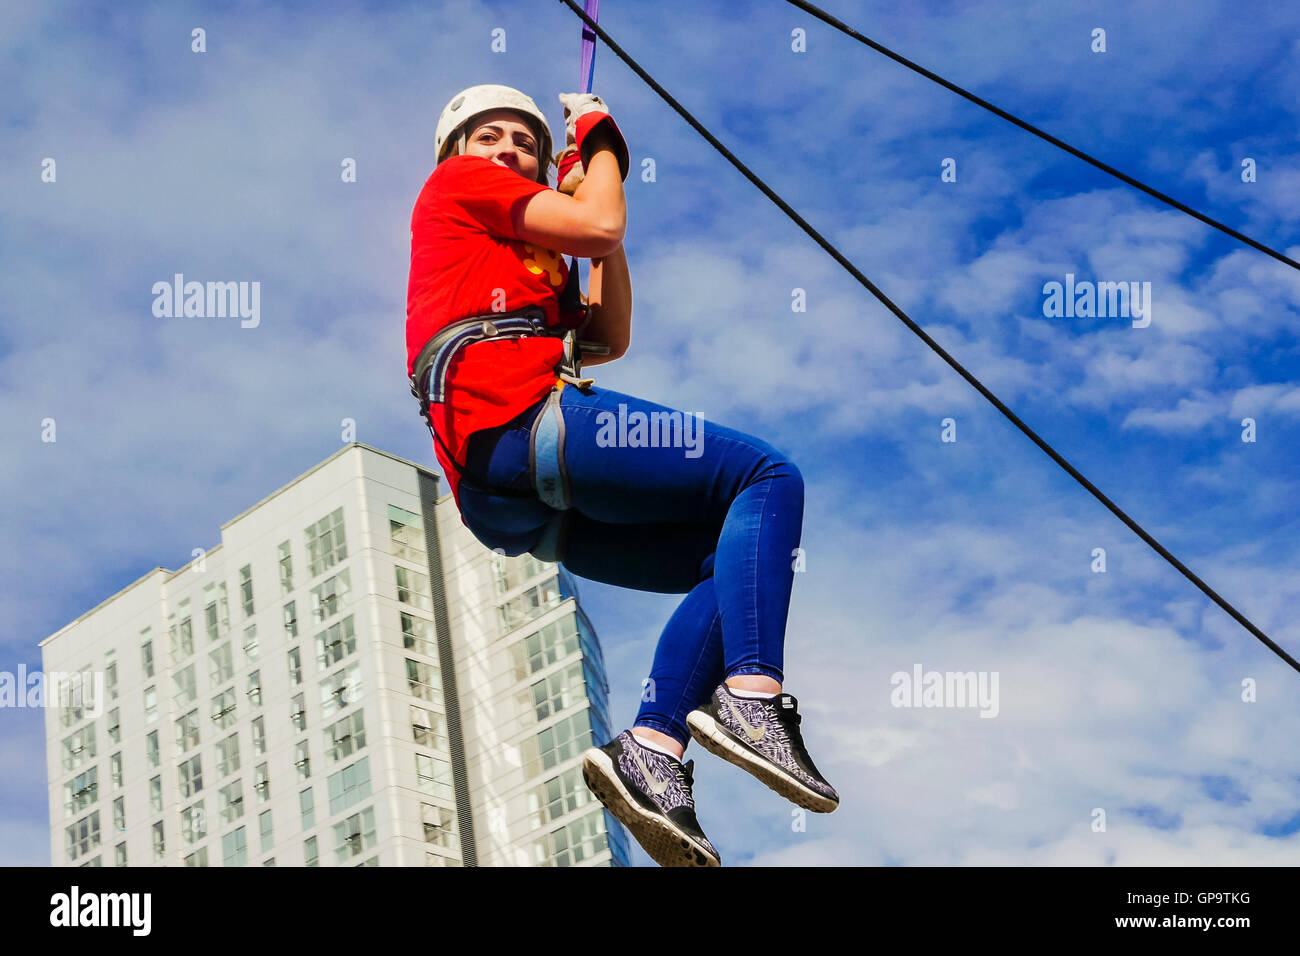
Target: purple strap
587 69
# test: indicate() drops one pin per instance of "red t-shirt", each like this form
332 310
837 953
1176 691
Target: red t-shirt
466 259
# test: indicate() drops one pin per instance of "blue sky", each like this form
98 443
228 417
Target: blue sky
1118 691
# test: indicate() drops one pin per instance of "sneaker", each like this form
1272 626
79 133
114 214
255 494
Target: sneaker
761 735
650 794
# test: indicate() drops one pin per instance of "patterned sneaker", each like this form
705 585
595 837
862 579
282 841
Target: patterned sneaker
761 735
650 794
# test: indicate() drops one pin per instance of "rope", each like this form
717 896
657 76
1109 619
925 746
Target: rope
825 17
934 346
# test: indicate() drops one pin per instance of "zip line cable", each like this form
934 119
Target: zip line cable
825 17
906 320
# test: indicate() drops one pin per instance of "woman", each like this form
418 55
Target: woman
535 464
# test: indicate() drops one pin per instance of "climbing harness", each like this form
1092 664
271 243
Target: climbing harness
546 444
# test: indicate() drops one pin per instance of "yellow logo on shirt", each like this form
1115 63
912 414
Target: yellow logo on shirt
544 261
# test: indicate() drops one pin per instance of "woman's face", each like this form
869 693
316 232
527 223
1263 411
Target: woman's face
503 137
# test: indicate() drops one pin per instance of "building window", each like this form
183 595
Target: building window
422 682
439 825
228 756
182 636
221 666
194 823
83 836
340 689
110 680
295 666
512 572
78 748
418 635
119 815
230 799
115 770
190 775
556 692
115 725
224 604
187 731
270 861
259 736
310 856
434 776
286 569
252 651
81 791
262 783
544 647
74 695
146 654
119 855
255 688
571 844
326 543
532 603
155 794
210 613
302 759
406 530
558 796
428 728
223 709
159 841
151 750
246 590
412 587
187 688
345 737
562 740
349 786
335 643
307 804
234 848
150 704
328 597
298 712
198 858
355 835
264 827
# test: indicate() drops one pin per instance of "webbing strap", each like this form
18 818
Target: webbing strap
546 452
587 60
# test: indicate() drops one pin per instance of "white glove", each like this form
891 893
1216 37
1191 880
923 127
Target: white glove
575 105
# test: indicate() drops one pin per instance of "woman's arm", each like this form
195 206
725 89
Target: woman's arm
609 307
590 223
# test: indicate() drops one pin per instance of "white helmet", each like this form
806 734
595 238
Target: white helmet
472 102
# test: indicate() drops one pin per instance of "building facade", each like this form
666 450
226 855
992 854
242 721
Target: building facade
347 678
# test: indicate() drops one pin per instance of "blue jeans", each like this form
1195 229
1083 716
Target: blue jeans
717 518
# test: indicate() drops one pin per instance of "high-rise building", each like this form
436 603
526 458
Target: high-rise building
347 678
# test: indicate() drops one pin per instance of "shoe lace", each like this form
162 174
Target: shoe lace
684 772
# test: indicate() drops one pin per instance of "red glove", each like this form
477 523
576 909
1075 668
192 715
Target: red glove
586 123
569 159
